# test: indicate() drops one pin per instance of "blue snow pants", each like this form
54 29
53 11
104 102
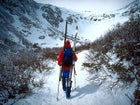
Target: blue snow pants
66 82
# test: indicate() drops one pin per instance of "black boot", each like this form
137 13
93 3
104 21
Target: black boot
68 89
64 84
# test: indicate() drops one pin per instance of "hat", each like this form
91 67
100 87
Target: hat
67 44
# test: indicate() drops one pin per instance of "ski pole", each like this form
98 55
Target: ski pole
59 83
75 77
58 91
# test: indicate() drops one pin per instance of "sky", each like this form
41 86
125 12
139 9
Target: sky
97 6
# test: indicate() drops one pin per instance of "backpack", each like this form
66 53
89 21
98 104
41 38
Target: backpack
68 57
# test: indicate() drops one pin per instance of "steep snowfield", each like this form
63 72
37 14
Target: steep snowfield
86 92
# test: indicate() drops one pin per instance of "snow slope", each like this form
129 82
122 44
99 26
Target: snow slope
45 24
86 93
92 30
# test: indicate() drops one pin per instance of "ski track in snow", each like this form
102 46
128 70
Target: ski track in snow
86 93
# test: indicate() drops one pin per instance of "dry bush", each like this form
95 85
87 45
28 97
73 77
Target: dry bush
16 73
122 41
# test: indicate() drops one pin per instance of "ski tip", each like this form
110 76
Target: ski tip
76 27
57 99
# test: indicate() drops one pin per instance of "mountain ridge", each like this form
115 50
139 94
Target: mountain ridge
27 22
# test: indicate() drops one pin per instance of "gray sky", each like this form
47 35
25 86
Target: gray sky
97 6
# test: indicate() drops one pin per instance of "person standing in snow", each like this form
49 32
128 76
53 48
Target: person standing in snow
66 66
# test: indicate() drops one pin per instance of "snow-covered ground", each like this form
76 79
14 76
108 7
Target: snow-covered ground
86 92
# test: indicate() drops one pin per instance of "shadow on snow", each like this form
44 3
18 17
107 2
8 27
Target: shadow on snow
83 91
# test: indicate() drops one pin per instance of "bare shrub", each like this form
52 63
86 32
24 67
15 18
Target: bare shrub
16 73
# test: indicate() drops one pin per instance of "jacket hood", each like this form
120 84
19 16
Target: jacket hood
67 44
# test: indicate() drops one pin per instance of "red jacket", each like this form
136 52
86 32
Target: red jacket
60 56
